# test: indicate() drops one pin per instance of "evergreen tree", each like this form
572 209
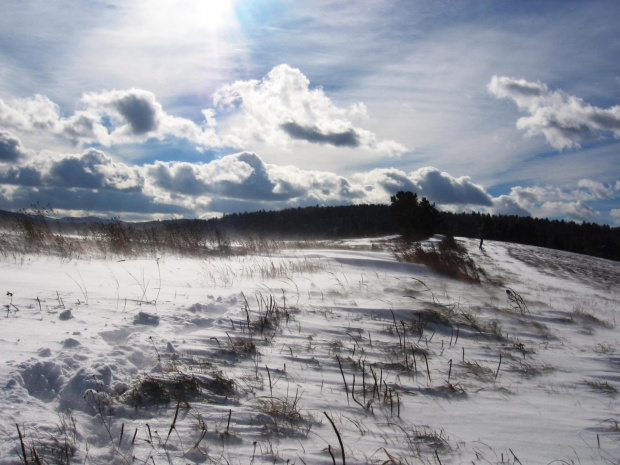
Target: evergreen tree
414 218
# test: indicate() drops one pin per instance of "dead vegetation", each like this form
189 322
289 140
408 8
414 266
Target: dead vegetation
601 386
448 258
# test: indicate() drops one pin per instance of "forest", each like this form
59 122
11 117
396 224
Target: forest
375 220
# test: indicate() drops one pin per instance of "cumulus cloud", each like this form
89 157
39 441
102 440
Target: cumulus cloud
89 182
598 189
195 179
109 202
506 205
244 181
246 177
528 197
92 169
280 109
381 181
109 118
564 120
347 138
444 188
29 114
11 149
577 211
21 176
548 201
586 189
437 186
134 115
282 106
138 108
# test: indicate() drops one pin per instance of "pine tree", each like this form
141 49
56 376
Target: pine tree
414 218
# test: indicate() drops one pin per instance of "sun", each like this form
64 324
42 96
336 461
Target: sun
208 15
187 18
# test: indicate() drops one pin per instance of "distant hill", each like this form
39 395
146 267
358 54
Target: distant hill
83 219
7 215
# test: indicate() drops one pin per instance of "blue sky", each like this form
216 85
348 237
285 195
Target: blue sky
165 109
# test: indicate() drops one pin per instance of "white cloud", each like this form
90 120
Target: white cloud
245 177
195 179
382 182
586 189
441 187
565 120
506 205
244 181
528 197
11 149
279 110
135 116
29 114
437 186
597 189
548 201
108 118
577 211
282 108
92 169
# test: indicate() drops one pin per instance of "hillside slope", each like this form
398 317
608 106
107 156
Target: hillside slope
283 357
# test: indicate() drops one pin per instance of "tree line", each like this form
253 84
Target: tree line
418 218
407 215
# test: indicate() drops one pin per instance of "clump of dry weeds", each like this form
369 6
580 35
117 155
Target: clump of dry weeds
448 258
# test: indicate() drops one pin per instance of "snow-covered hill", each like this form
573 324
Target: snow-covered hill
284 357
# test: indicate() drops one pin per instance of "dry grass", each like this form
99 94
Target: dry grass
448 258
588 319
530 370
601 386
38 230
481 372
287 417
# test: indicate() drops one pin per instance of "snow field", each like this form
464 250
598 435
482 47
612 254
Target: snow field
249 359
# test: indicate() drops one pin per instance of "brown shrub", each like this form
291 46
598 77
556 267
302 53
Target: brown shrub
448 258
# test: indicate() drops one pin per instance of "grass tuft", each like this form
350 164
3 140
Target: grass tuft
287 417
449 258
601 386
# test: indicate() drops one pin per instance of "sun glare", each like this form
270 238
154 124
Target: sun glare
183 18
211 15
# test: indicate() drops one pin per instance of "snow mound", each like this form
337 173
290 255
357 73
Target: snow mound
43 380
85 389
148 319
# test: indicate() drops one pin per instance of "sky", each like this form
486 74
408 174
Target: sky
193 109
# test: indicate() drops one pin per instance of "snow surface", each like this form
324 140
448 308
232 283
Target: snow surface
152 361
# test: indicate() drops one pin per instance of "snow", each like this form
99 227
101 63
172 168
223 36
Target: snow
152 359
